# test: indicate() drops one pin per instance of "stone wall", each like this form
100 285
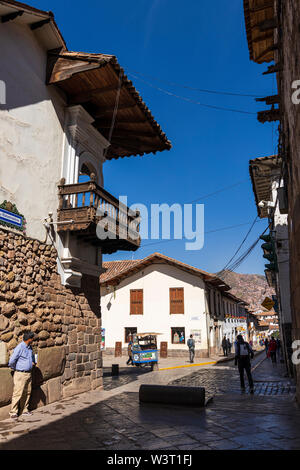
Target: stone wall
288 56
66 322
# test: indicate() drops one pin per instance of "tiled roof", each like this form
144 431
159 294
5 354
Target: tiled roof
121 269
114 268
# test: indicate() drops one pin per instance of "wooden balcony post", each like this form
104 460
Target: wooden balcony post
60 195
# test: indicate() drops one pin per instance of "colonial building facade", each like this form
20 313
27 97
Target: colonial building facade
272 29
63 115
161 294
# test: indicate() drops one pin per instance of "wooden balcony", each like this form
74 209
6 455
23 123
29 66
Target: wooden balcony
97 217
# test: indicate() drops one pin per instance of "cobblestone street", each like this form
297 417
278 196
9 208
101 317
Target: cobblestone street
114 419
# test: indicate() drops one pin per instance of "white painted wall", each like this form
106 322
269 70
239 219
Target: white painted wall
31 129
41 141
155 280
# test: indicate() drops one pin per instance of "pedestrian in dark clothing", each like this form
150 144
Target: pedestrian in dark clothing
191 346
266 345
243 353
229 346
129 351
224 346
272 349
278 349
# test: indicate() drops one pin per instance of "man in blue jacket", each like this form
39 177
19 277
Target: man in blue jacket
22 362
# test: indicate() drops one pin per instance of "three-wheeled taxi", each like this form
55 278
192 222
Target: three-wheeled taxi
144 349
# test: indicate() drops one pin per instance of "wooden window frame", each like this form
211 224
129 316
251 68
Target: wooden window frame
132 301
128 328
172 312
178 328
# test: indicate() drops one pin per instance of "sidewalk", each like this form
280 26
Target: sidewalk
115 420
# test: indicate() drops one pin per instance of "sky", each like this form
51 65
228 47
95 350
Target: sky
199 44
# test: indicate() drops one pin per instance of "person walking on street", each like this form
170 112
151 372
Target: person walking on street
272 349
278 349
191 346
130 351
243 353
21 362
229 346
266 343
224 346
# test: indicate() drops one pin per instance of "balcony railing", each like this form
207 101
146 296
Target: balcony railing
97 217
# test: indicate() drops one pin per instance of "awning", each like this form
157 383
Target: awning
262 171
95 81
260 24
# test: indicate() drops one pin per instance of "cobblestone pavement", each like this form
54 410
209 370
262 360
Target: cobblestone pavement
269 380
231 421
126 376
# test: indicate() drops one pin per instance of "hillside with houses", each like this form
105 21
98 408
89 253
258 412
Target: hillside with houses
253 288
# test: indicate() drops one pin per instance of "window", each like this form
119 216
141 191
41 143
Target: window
136 302
178 335
129 331
176 300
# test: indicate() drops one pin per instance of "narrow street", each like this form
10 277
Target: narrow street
113 419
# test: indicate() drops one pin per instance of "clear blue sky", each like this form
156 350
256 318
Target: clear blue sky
201 44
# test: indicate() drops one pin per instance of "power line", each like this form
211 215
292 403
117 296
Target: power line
201 90
240 246
207 232
189 100
242 258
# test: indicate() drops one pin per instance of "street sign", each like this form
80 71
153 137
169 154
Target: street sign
10 216
268 303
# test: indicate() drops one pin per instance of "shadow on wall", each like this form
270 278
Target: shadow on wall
37 395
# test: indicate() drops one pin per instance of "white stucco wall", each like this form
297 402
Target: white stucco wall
31 128
155 280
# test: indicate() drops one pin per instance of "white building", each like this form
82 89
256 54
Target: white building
161 294
270 197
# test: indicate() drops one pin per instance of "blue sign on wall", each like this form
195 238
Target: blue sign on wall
11 218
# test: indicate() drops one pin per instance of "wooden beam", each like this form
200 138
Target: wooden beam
273 69
265 37
266 51
39 24
90 94
270 115
11 16
266 25
110 109
263 7
130 140
137 147
125 132
105 124
275 99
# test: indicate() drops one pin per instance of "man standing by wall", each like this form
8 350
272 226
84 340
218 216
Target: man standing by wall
22 362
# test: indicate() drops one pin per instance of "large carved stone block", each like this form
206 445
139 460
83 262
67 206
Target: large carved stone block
51 361
3 354
79 385
6 386
54 390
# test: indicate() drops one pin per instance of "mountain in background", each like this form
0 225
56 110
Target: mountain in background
253 288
